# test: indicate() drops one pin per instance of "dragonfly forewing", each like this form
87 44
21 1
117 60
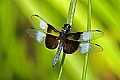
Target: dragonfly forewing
91 35
43 26
39 23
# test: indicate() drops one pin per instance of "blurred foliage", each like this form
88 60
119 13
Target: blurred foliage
23 58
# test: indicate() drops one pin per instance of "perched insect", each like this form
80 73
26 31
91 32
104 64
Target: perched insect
69 41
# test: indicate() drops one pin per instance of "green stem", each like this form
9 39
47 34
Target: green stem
69 21
88 29
61 65
71 12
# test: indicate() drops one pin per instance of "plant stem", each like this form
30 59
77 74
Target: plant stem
69 21
71 12
61 65
88 29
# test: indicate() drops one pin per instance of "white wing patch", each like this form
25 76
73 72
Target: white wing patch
85 47
42 24
86 36
40 36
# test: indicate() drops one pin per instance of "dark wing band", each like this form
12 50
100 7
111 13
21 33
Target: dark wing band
73 35
51 41
52 30
70 46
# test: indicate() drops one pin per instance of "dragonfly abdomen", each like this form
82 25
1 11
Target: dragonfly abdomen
57 54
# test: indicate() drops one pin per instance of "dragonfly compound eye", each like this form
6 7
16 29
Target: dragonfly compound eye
67 26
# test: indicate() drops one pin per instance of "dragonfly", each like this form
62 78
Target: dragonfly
64 40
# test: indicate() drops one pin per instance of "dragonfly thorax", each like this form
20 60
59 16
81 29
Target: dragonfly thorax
64 31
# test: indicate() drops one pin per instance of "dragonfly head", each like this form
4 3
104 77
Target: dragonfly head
66 27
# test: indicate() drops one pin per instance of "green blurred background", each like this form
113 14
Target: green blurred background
23 58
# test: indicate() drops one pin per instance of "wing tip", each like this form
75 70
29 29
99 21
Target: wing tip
32 28
35 15
100 31
100 47
27 30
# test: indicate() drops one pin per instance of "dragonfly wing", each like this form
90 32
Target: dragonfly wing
43 26
84 47
36 34
70 46
91 35
95 48
89 47
51 41
73 35
39 22
52 30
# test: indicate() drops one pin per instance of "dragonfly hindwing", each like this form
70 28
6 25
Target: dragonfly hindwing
85 47
89 47
36 34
